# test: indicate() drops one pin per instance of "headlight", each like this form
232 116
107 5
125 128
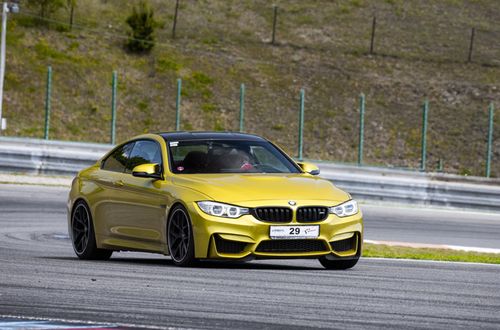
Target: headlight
345 209
222 210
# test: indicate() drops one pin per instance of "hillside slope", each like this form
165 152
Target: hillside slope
421 48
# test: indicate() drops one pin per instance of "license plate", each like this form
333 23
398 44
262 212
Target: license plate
293 232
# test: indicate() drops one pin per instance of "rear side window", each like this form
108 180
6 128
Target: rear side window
144 152
118 160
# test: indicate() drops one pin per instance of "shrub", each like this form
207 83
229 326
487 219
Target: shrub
142 23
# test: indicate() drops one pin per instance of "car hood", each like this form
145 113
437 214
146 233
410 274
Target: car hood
235 188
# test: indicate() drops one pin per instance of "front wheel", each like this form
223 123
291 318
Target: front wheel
180 237
338 264
83 235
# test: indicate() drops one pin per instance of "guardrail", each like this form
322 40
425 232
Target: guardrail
411 187
365 183
47 156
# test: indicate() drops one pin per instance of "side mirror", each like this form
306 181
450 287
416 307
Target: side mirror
147 171
309 168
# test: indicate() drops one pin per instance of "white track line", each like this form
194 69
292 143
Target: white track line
464 263
90 323
435 246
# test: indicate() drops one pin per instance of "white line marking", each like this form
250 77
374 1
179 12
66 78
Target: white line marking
15 325
435 246
474 264
90 323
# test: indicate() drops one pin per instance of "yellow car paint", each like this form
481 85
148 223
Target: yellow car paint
131 213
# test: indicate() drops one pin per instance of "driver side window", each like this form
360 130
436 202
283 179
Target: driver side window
144 152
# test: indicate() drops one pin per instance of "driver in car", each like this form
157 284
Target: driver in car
239 159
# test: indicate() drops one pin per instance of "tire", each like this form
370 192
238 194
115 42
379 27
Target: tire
180 237
338 264
83 235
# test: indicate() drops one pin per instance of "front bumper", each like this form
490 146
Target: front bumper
248 238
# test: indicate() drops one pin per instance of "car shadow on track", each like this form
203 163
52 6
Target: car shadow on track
204 264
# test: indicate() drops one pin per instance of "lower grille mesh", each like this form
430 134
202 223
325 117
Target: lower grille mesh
291 245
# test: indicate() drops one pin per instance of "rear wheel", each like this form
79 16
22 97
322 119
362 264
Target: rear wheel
180 237
338 264
83 235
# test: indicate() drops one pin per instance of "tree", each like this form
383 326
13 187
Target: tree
70 6
142 23
46 7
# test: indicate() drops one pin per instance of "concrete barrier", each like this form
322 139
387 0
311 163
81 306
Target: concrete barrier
364 183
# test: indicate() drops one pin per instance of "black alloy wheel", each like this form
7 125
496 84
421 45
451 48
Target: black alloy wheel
180 237
83 236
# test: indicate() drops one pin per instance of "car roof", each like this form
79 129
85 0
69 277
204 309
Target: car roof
184 136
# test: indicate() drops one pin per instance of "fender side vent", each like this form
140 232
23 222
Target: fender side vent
344 244
227 246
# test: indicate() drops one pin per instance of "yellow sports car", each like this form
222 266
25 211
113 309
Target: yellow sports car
208 195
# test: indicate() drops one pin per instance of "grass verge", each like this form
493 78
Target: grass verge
399 252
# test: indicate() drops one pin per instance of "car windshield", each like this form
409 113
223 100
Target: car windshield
227 156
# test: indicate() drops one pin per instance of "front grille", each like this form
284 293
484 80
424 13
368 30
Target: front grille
292 245
273 214
344 244
312 213
227 246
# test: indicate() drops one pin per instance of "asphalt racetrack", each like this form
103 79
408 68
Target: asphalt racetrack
40 277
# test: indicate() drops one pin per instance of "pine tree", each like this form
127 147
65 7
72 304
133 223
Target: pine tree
142 23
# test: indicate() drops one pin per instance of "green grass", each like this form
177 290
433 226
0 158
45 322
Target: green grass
322 47
399 252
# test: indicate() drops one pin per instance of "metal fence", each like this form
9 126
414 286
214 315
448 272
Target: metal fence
300 133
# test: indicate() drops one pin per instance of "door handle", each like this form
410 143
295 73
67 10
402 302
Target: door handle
119 183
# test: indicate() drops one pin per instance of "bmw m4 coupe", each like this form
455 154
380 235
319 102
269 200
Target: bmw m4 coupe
211 195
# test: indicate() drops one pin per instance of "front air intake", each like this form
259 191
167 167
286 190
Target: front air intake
291 246
344 244
227 246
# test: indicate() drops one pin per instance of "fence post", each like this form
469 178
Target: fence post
48 93
490 141
301 124
425 112
114 83
275 17
175 18
440 165
471 44
372 42
242 106
361 127
178 106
